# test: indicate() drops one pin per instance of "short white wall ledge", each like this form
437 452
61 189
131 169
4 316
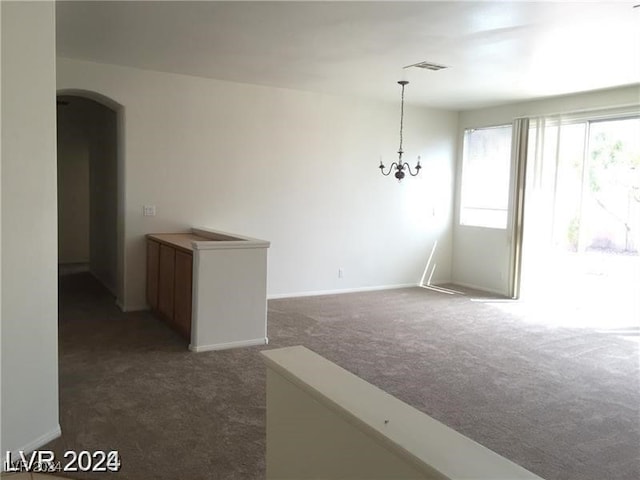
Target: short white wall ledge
325 422
229 291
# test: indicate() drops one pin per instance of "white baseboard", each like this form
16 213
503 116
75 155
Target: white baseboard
337 292
225 346
35 444
137 308
131 308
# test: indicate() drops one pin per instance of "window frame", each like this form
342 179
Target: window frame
505 221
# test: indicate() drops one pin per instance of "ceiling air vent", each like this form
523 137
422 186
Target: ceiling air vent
427 66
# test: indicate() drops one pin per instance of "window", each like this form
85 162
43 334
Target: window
486 162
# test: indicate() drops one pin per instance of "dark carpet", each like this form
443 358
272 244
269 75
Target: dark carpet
562 402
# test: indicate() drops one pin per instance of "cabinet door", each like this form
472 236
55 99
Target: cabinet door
166 281
182 287
153 263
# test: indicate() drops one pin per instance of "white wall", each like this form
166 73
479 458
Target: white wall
29 246
296 168
481 256
579 102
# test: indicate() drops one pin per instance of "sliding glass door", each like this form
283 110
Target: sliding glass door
581 227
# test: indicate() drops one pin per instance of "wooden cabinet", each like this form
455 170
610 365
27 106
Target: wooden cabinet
169 283
209 286
166 280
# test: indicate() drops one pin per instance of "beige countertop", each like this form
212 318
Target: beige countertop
183 241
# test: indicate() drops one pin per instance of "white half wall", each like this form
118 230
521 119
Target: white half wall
29 241
325 422
481 256
296 168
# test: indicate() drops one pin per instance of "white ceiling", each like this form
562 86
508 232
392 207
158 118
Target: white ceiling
498 52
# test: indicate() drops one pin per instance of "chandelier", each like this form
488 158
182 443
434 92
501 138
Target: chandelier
400 166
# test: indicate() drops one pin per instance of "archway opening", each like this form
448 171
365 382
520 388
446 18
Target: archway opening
89 189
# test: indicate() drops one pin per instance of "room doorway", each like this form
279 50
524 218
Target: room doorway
89 188
582 224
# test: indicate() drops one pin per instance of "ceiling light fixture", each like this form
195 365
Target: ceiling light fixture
428 66
400 165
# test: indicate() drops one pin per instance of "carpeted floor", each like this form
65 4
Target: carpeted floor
562 402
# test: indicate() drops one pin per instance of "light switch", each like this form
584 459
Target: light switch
149 210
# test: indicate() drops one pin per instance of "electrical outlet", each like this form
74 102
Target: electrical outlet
149 210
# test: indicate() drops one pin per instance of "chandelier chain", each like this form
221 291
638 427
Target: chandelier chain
401 117
400 167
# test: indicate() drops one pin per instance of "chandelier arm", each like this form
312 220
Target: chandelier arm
391 167
417 167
